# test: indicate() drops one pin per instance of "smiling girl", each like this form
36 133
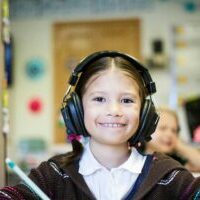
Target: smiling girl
109 106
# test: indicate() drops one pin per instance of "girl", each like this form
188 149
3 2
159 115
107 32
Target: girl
166 140
109 106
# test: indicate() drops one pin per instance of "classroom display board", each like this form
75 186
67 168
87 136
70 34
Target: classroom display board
186 73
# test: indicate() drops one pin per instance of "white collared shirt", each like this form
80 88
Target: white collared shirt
110 184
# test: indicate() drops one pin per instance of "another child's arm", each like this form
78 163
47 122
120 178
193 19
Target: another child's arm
190 153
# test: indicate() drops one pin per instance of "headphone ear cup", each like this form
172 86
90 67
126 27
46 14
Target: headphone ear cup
73 115
70 128
79 114
148 123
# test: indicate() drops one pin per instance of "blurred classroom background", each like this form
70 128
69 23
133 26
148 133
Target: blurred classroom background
43 40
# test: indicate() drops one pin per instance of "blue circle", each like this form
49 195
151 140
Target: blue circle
35 68
190 6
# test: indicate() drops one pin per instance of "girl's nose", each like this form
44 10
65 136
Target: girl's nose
114 109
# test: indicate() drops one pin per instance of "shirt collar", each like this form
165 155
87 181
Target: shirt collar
134 163
88 164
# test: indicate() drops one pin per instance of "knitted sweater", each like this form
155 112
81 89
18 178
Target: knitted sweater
166 179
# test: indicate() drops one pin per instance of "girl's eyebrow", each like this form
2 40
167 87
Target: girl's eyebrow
129 94
96 92
123 93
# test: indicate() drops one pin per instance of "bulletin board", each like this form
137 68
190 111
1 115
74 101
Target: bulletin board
186 73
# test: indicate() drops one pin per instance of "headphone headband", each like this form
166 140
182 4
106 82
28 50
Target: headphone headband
85 62
72 108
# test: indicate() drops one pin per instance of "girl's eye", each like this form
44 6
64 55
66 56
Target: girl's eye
99 99
127 100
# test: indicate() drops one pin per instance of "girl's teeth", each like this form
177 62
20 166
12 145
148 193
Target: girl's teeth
112 125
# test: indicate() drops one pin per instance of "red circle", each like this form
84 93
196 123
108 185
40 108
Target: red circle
35 105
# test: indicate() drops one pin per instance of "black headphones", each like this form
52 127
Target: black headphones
72 110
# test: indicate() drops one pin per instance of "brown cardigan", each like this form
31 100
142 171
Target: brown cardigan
166 179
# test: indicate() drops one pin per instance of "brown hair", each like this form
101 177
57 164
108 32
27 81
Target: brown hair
96 67
106 63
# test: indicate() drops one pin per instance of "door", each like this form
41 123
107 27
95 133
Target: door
75 40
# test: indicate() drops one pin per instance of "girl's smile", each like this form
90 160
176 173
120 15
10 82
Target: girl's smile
112 125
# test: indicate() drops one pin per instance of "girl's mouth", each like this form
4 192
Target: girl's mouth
112 125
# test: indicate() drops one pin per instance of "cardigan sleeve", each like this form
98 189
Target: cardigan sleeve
191 190
182 185
41 176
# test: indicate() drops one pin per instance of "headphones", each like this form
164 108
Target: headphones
72 110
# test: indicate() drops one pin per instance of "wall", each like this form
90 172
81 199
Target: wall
32 39
32 33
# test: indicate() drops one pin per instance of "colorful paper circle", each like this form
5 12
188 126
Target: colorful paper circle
190 6
35 68
35 105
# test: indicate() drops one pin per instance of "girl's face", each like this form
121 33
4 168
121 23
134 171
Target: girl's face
165 137
111 106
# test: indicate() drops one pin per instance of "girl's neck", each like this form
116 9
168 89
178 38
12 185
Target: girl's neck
110 156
